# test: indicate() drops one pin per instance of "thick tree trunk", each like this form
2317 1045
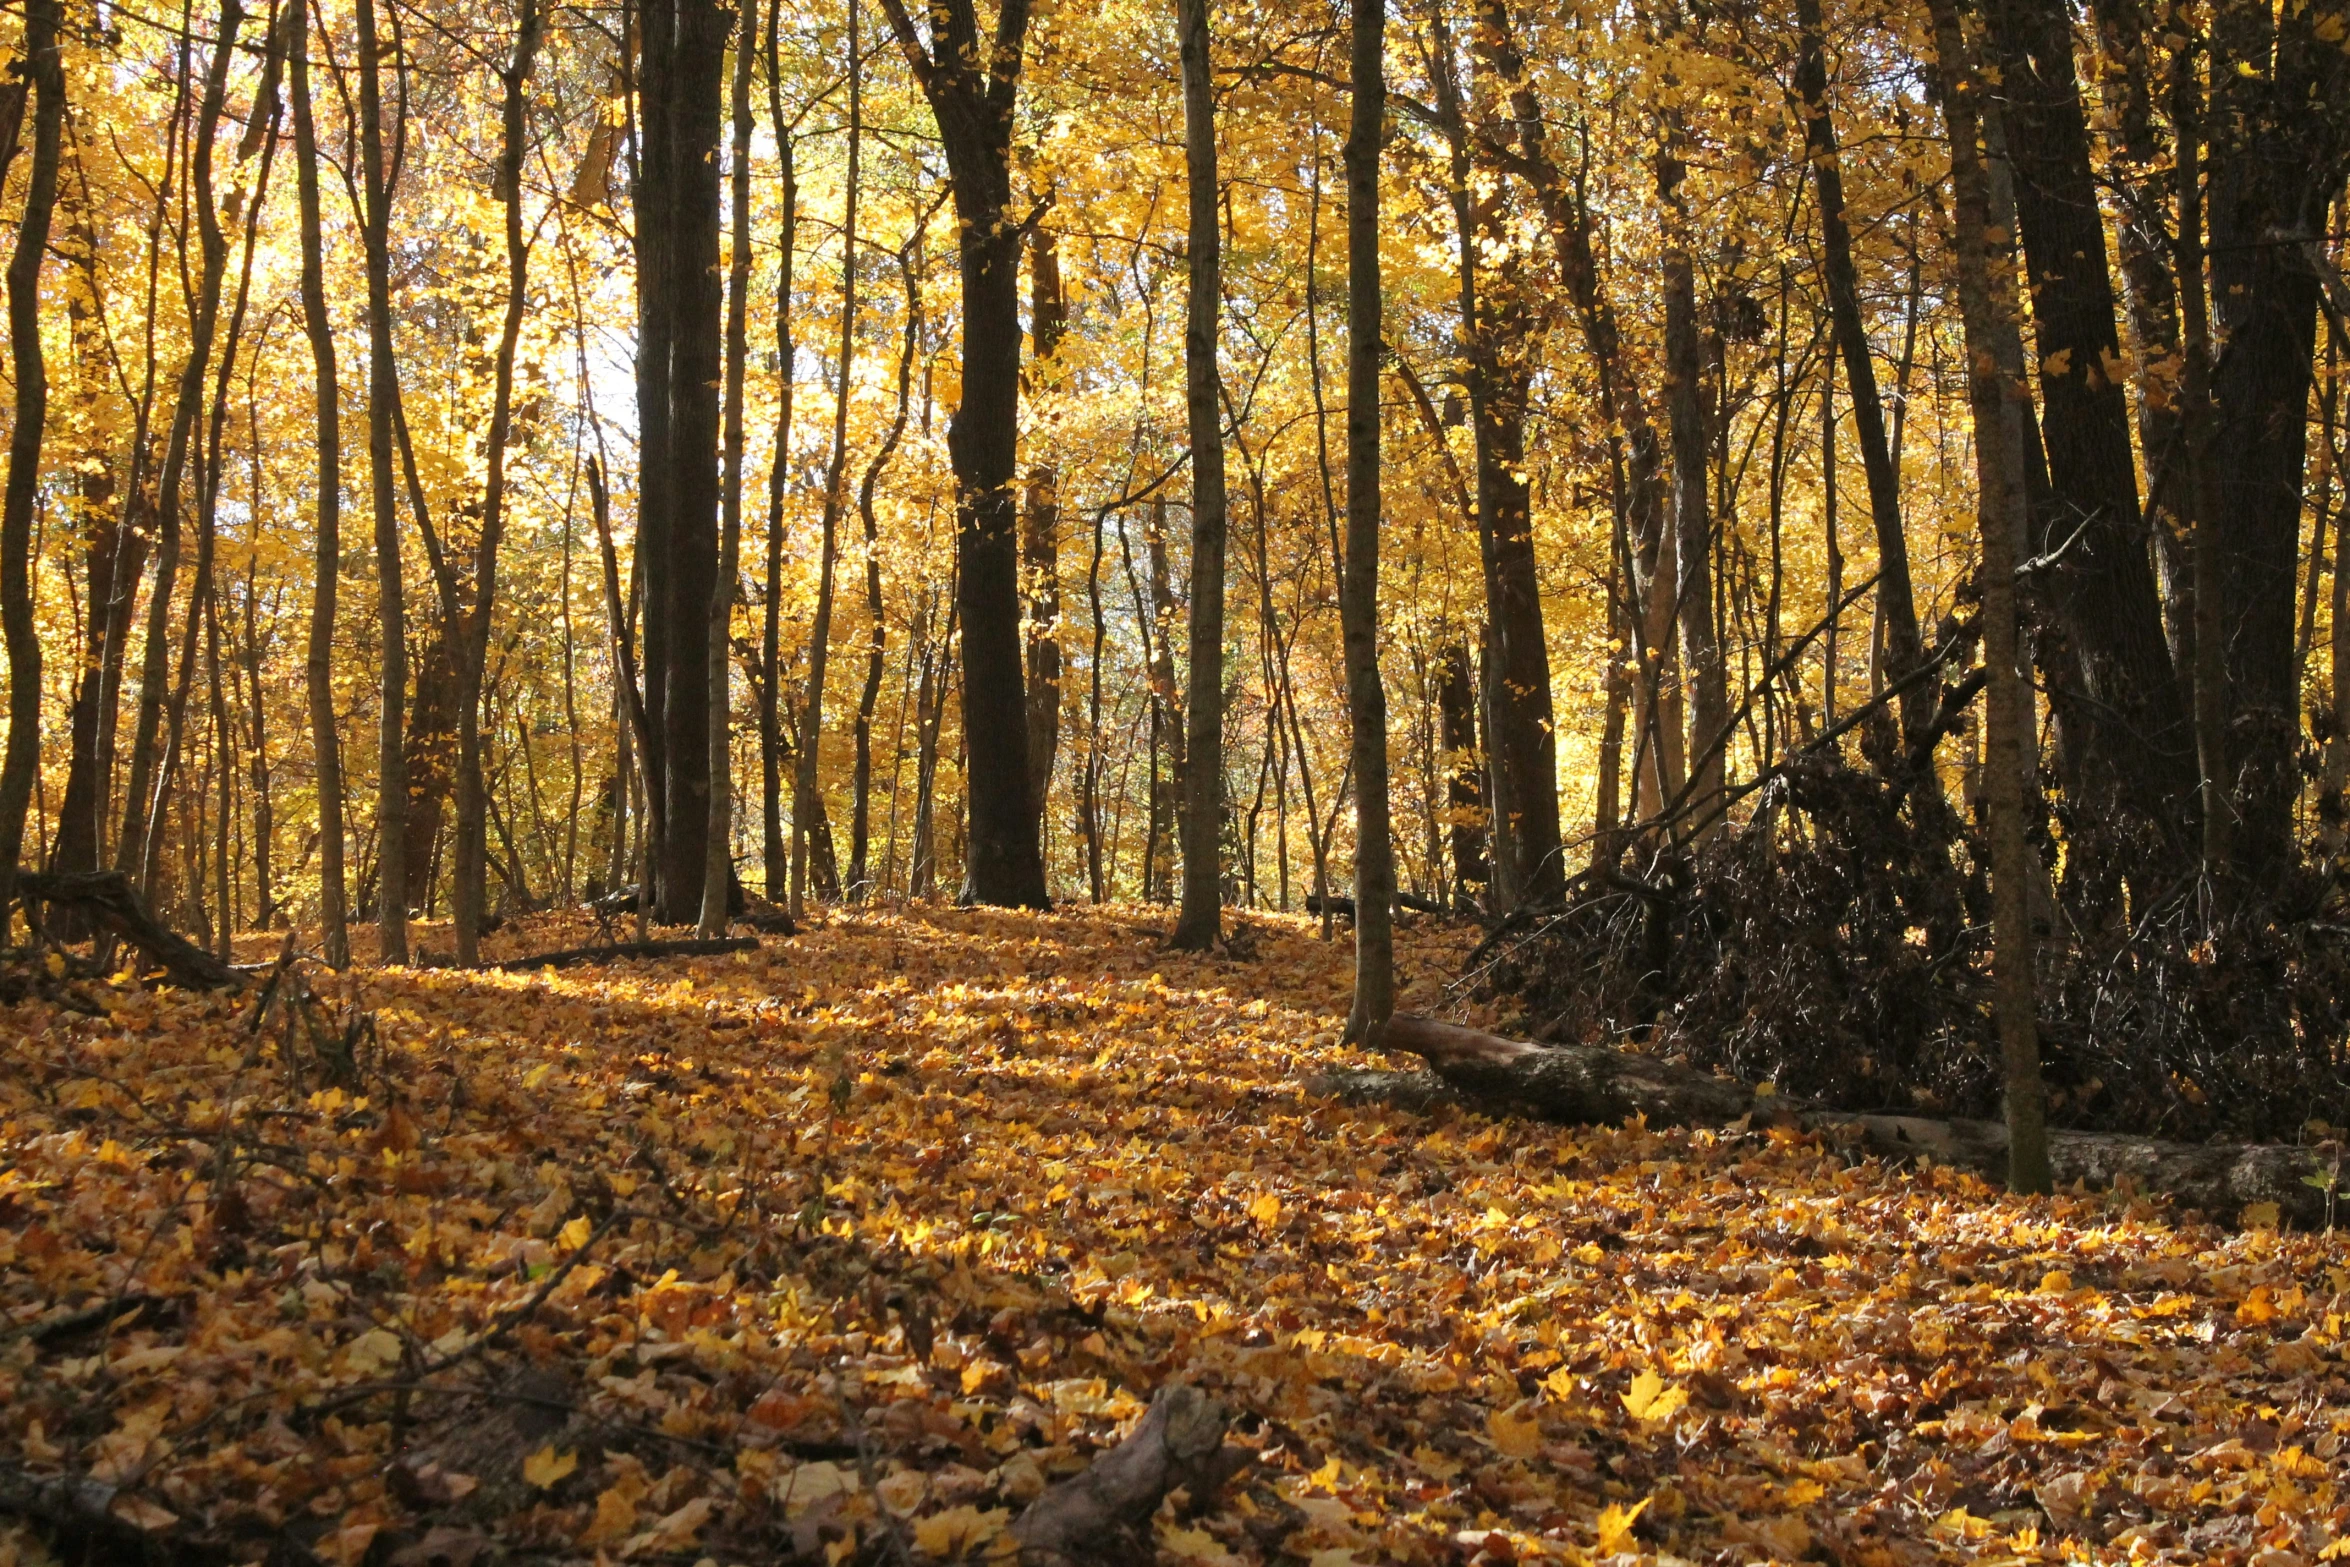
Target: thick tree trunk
1590 1085
1358 599
2134 745
1996 395
21 759
971 87
2278 83
1199 921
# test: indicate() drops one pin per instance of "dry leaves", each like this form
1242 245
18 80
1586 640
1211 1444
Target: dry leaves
846 1250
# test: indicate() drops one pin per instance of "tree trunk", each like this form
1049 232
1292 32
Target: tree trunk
1199 922
140 846
21 760
2278 82
1896 603
876 630
775 855
2134 749
1358 599
971 89
1996 399
473 651
326 558
1693 530
718 865
1040 528
1464 794
811 735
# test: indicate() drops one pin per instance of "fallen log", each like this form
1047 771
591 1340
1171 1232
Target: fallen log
1591 1085
114 904
618 951
1103 1515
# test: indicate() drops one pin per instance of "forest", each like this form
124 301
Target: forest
1424 781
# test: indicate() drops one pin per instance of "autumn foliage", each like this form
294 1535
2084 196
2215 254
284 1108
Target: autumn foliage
846 1248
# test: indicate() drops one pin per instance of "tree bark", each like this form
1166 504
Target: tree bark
876 629
1358 600
326 558
20 762
1200 920
775 854
1464 793
1040 528
473 652
2134 746
1693 528
1996 400
718 864
971 87
1896 602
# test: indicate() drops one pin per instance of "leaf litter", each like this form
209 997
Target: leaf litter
846 1249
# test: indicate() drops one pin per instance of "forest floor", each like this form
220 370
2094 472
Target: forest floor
846 1248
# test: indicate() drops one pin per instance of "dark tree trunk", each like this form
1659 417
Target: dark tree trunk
1199 921
775 852
45 69
679 372
2278 136
971 86
2132 742
876 629
1693 528
318 656
1464 792
1040 529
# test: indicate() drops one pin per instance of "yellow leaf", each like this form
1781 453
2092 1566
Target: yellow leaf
1266 1210
1514 1435
1615 1525
2055 1283
615 1512
2259 1216
575 1234
1560 1384
1197 1545
537 1074
957 1532
546 1466
1650 1399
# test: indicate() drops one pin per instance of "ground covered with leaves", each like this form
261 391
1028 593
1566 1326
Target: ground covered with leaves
847 1248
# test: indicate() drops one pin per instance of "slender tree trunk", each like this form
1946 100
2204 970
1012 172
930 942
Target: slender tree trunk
1896 603
775 856
1464 794
140 846
876 631
1996 399
1358 599
318 658
811 737
1040 528
391 811
718 865
1199 921
21 760
1701 645
473 654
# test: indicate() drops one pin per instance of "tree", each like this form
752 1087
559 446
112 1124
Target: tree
1199 922
971 88
1358 601
1997 398
21 760
718 866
